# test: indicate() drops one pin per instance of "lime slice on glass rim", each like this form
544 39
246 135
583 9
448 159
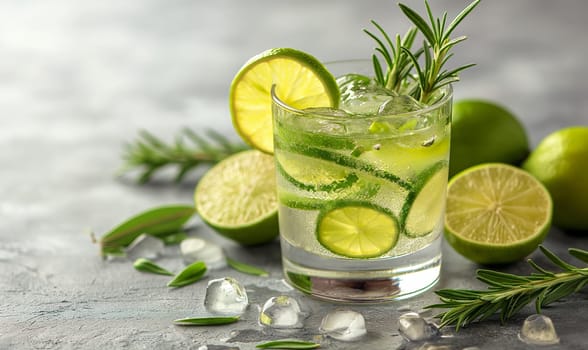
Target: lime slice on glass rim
357 229
237 198
496 213
301 82
424 205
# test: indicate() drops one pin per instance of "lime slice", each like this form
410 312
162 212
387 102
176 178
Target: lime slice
357 230
313 174
496 213
237 198
424 206
301 82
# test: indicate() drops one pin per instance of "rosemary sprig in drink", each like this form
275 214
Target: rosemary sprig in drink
151 154
507 293
402 60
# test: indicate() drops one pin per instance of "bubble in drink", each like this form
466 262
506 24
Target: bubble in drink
539 330
345 325
225 296
415 328
281 312
145 246
196 249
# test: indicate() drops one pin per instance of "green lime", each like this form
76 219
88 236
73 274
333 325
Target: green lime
313 174
484 132
237 198
496 213
301 82
424 206
560 162
357 229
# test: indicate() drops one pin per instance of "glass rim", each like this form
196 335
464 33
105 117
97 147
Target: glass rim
447 96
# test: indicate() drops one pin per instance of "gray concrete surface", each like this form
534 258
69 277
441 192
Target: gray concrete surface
78 79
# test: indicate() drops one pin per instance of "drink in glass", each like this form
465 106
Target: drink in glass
361 189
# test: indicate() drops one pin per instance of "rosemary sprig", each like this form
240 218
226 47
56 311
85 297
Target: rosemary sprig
398 62
508 293
151 154
436 49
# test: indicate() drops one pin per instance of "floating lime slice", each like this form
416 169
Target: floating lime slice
424 206
313 174
357 229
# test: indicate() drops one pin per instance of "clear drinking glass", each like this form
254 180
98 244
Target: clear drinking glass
362 197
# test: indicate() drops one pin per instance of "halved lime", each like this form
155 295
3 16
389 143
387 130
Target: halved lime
357 229
424 206
237 198
313 174
496 213
301 82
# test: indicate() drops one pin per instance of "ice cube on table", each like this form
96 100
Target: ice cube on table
539 330
145 246
345 325
281 312
225 296
413 327
196 249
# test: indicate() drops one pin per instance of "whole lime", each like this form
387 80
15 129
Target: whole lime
560 162
484 132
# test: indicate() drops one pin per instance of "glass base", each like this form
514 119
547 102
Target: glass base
363 281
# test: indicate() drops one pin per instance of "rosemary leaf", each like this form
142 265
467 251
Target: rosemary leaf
288 344
192 273
160 221
206 321
245 268
145 265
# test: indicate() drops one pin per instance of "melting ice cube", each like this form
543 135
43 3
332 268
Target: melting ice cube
225 296
343 325
145 246
196 249
281 312
415 328
539 330
398 105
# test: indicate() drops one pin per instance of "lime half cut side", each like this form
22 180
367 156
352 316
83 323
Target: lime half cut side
424 206
301 82
357 230
237 198
496 213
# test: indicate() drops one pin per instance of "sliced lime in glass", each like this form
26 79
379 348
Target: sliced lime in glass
424 206
357 229
313 174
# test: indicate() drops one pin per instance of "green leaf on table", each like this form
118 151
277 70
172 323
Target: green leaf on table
192 273
146 265
158 222
288 344
245 268
206 321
